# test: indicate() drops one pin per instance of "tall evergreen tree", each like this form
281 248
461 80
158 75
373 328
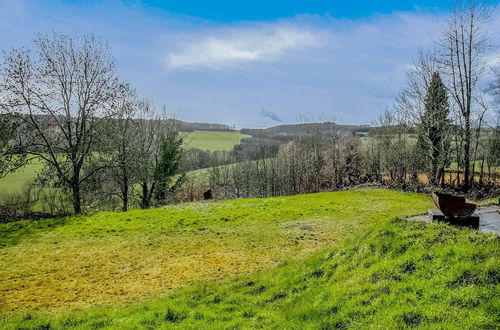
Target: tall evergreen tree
167 176
433 130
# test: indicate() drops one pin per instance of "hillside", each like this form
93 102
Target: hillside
205 140
303 128
185 126
375 269
342 170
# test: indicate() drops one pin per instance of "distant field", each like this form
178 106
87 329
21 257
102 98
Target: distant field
214 141
477 167
15 182
366 140
206 140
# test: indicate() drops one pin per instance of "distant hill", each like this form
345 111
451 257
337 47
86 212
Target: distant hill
183 126
189 127
305 128
288 130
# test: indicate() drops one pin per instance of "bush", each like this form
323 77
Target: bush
15 206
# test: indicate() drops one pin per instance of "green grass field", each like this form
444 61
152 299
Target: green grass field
214 141
15 182
317 261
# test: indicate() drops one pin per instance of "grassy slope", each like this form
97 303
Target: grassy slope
75 262
392 274
214 141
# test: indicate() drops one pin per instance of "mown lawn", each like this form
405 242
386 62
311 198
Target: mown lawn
108 258
390 274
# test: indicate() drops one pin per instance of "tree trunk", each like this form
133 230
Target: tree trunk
125 189
75 187
145 200
466 180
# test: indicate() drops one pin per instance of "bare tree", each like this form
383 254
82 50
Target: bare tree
150 127
63 92
123 147
495 87
462 48
492 148
159 155
411 100
397 156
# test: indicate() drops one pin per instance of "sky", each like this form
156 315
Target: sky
248 63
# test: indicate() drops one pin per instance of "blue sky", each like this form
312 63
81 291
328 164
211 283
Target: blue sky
248 63
238 10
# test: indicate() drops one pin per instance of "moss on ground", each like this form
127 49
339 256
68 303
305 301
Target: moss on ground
109 258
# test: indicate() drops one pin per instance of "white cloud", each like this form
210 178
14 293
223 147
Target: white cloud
242 45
